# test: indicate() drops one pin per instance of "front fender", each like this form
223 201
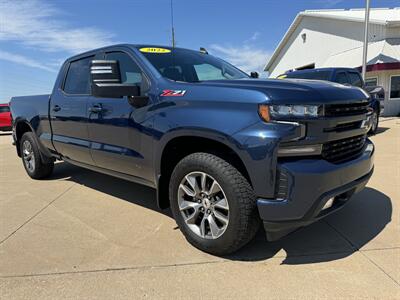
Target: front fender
214 120
206 133
258 148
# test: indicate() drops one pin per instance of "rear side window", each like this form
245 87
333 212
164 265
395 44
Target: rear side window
78 77
341 78
355 79
4 109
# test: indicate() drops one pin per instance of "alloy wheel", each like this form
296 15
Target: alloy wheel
203 205
28 156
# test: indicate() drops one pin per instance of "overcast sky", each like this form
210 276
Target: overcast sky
37 35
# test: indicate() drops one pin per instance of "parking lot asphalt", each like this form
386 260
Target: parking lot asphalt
80 234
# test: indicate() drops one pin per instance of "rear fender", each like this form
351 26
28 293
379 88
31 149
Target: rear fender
44 152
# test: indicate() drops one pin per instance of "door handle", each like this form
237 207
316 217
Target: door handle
56 108
96 108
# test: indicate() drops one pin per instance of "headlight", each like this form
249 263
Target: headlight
300 111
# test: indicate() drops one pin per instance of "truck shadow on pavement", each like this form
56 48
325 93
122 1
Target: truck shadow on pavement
125 190
381 130
335 237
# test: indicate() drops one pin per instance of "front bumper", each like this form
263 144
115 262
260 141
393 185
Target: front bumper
311 183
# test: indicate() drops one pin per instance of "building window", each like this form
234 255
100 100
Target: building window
395 87
373 81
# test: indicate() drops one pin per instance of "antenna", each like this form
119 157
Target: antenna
172 25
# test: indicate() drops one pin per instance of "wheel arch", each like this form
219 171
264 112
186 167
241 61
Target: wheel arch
180 146
21 127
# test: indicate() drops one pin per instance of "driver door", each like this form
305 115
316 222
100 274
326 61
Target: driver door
114 131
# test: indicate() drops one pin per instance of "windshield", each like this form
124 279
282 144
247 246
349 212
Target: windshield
190 66
316 75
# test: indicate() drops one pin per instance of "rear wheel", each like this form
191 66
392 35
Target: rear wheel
31 158
213 204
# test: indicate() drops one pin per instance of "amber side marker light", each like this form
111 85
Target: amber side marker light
263 111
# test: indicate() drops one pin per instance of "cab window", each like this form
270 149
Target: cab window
77 81
355 79
130 71
313 75
341 78
191 66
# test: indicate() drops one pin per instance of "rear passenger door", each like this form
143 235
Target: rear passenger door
69 112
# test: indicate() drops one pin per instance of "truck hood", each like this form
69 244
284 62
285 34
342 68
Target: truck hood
295 91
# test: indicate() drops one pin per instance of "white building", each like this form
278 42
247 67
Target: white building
334 38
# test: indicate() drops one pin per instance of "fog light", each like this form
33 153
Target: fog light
328 203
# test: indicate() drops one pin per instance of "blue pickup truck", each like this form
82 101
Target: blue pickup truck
225 151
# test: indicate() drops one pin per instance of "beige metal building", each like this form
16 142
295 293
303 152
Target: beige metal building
334 38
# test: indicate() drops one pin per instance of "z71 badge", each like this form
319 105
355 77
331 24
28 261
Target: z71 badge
173 93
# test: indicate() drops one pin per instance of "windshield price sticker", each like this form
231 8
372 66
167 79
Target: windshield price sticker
154 50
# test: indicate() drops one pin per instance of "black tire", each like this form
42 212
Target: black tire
244 220
375 120
38 169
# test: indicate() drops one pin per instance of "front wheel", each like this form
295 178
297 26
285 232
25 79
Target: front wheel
374 121
213 204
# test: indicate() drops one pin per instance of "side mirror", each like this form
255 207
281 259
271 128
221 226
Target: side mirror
254 75
376 92
106 80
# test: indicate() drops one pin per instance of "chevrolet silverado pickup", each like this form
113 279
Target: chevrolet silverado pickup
224 150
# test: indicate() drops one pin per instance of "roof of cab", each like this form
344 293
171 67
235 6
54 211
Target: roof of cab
138 46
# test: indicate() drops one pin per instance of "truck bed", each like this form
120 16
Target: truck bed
35 110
